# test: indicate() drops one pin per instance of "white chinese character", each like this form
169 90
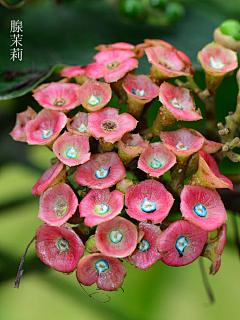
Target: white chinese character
16 39
16 26
16 54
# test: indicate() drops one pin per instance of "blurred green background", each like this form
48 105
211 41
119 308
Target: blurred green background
66 34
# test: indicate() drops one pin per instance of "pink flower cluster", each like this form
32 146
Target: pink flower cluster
122 204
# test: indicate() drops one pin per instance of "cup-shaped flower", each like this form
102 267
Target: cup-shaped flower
181 243
72 71
208 174
179 101
167 62
228 34
110 125
103 170
217 60
52 176
58 96
94 95
107 272
146 253
59 247
203 207
130 147
18 133
182 142
214 249
79 124
46 127
111 64
140 90
117 237
138 49
101 205
156 159
57 204
72 149
148 200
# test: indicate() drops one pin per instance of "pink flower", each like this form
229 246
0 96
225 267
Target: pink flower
182 142
181 243
72 71
94 95
138 50
167 62
146 253
208 174
108 124
179 102
116 237
107 272
111 64
72 149
203 207
101 205
148 200
18 133
79 124
59 247
103 170
217 60
58 96
57 204
156 159
46 127
52 176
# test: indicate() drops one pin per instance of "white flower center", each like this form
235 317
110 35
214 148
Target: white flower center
176 104
138 92
71 153
101 208
180 146
216 64
47 133
61 208
93 100
82 128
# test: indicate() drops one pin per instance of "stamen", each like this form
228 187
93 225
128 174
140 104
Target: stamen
200 210
113 65
93 100
61 208
176 104
47 133
115 236
155 164
63 245
148 206
101 208
71 153
138 92
181 245
101 266
102 173
82 128
144 245
180 146
109 125
59 102
216 64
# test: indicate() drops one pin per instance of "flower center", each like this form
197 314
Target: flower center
155 164
144 245
71 153
61 208
101 266
93 100
108 125
47 133
176 104
181 245
216 64
63 245
113 65
138 92
200 210
59 102
180 146
101 208
82 128
115 236
102 173
148 206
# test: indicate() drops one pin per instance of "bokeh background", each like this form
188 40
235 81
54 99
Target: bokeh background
67 34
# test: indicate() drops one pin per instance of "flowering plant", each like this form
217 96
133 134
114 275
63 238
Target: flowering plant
108 187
